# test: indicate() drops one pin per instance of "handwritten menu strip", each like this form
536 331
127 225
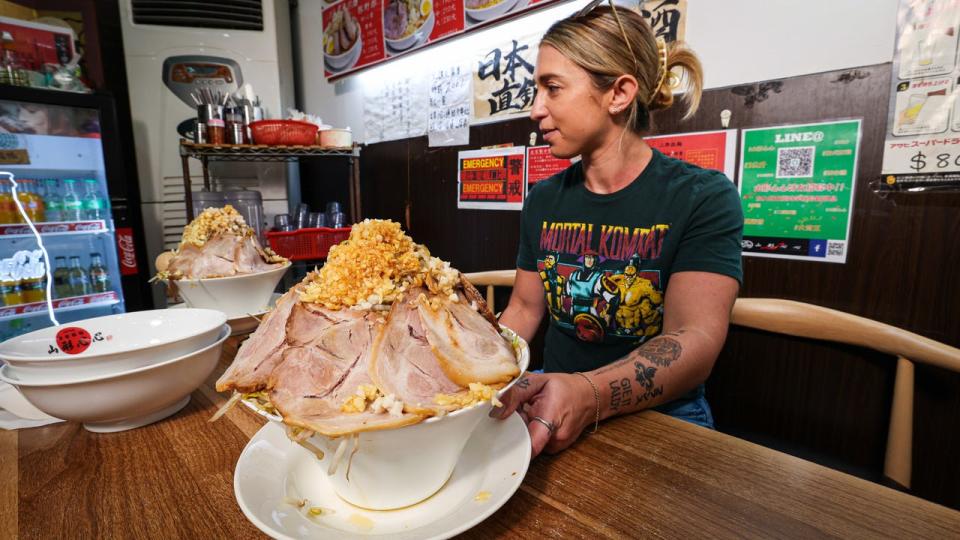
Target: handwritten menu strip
449 123
396 110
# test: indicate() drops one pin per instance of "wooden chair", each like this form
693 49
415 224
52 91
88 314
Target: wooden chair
815 322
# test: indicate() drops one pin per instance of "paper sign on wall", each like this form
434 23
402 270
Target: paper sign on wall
450 97
503 85
491 179
542 165
715 150
796 189
397 109
922 147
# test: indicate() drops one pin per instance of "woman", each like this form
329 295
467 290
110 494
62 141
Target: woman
635 255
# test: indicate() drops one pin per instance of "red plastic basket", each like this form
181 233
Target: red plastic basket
283 132
306 244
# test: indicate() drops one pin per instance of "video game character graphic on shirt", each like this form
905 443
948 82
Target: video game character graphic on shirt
636 305
553 283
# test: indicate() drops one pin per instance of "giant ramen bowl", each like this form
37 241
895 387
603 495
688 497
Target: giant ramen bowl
395 468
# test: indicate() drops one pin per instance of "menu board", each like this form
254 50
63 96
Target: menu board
358 33
922 146
491 179
796 189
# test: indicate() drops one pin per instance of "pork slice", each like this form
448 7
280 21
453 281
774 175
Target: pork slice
215 259
476 299
311 385
468 348
403 364
250 258
309 322
262 352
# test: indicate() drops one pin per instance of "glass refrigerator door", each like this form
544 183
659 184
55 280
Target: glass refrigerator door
56 160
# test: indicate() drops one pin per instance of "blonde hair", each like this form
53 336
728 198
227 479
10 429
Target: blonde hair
609 43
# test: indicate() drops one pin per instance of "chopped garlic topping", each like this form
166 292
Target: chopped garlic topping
374 266
477 393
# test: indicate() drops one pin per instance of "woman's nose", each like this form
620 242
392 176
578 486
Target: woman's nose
538 111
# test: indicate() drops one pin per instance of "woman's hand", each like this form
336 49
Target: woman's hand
562 400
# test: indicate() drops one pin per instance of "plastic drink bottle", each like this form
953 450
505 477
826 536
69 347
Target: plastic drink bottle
72 206
52 202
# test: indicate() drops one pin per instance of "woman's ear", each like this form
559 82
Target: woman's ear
622 93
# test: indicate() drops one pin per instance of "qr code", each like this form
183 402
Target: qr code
796 162
835 249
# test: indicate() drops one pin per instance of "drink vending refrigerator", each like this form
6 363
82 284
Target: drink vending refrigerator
74 182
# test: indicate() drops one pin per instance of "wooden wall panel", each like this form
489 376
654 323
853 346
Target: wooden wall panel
824 402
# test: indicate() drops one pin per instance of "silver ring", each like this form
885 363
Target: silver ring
550 426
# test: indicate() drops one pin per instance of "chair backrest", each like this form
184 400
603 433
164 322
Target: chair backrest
816 322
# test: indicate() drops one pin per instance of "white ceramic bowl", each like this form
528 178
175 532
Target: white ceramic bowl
396 468
234 295
492 12
336 138
125 400
243 324
117 343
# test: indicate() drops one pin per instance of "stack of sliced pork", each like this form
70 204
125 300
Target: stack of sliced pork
311 360
224 255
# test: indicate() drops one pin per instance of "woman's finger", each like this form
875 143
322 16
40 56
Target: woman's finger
539 437
520 393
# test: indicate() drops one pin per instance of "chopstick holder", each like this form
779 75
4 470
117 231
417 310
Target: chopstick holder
596 395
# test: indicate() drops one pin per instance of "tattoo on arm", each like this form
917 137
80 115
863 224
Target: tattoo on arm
621 393
644 375
523 383
662 351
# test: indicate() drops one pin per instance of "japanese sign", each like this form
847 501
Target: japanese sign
666 17
397 109
358 33
796 188
503 85
491 179
922 147
542 165
715 150
450 99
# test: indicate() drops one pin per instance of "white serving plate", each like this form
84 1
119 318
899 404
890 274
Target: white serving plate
272 471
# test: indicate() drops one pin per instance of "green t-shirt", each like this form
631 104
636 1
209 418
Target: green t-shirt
605 260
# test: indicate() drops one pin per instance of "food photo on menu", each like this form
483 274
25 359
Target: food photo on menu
407 24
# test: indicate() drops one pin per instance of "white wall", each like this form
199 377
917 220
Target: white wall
739 41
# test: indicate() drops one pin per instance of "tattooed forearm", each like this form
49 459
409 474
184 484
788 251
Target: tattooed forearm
523 383
645 375
662 351
621 393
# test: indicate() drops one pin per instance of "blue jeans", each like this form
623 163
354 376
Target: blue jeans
691 407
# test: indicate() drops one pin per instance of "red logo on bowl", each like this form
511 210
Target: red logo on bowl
73 340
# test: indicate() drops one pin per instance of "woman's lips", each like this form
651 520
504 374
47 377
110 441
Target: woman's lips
547 134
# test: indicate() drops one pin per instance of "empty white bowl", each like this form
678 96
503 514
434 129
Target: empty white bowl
394 468
114 344
125 400
236 296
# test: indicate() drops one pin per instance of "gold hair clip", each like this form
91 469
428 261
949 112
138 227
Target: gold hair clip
662 69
